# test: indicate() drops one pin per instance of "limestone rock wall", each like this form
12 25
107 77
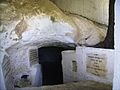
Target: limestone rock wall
25 23
96 10
29 21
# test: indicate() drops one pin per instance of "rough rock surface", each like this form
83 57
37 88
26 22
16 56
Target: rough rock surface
26 23
31 21
24 20
93 9
82 85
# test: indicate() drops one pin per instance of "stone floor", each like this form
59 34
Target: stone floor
82 85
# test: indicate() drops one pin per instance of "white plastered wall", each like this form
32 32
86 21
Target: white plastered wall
116 81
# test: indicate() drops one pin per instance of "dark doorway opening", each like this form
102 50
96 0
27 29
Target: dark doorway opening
50 59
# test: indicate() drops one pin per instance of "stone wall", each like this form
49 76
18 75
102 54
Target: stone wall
96 10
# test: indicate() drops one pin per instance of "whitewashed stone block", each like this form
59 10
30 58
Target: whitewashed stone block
95 64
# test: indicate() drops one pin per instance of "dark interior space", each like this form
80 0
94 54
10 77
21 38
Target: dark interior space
50 59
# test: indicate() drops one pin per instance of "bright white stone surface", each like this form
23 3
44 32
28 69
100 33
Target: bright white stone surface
82 60
68 57
101 69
